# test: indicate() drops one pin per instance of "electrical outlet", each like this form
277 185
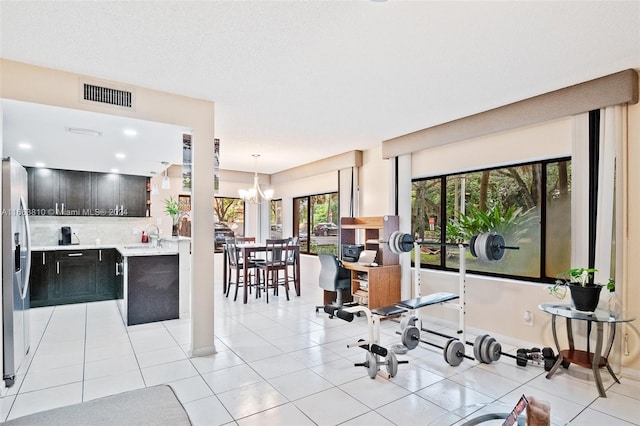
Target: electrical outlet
528 318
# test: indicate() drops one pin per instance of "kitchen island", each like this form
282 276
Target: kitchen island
150 283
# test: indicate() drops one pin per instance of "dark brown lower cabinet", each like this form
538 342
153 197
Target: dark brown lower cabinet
152 289
73 276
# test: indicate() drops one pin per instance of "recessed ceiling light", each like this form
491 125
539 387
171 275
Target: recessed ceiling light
39 164
130 132
81 131
120 155
24 145
115 171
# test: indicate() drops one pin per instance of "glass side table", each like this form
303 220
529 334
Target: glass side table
595 359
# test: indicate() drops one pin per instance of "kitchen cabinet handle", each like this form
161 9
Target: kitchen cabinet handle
57 267
74 254
100 255
44 260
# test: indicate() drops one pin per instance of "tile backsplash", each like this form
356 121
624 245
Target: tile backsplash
45 230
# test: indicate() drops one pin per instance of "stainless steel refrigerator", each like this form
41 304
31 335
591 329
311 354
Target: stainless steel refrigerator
16 265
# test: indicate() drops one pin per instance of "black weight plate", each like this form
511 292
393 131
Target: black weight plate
472 247
406 243
497 247
411 337
521 361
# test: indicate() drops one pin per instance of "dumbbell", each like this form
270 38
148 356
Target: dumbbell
546 357
372 364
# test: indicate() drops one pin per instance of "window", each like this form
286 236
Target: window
316 220
229 213
529 205
275 219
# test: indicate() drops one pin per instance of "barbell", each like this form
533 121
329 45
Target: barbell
488 246
485 348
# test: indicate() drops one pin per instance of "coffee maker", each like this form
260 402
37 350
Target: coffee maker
65 236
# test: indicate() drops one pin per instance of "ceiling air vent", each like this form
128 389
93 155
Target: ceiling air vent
107 95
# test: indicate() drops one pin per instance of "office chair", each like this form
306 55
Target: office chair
333 277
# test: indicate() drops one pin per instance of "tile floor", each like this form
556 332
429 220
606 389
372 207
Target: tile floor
283 364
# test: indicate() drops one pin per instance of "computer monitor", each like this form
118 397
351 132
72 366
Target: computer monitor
351 252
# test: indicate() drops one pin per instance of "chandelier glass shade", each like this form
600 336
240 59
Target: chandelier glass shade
255 194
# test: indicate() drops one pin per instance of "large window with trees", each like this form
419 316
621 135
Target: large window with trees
528 204
275 219
229 214
315 219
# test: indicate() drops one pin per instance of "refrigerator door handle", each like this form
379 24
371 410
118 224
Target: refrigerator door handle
27 273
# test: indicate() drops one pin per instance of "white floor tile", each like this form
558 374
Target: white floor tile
219 361
46 399
590 417
374 393
300 384
170 372
276 366
113 384
282 415
451 396
620 406
110 367
50 378
161 356
191 389
207 412
331 407
252 399
484 382
368 419
231 378
411 410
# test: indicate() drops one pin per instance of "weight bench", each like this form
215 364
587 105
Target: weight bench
413 304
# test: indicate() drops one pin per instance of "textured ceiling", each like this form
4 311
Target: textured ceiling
296 81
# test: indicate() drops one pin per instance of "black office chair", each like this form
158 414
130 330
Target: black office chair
333 277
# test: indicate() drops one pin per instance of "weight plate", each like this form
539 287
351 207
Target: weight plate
394 242
486 350
495 351
454 352
411 337
521 361
472 247
371 363
477 345
406 243
392 364
481 246
408 320
497 247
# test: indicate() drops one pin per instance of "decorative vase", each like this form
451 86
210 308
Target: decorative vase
174 228
585 298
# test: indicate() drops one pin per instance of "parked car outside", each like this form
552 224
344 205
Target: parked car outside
222 232
325 228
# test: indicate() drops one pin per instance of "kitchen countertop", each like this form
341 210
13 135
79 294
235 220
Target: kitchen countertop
127 250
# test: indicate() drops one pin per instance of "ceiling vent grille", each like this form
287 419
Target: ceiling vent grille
106 95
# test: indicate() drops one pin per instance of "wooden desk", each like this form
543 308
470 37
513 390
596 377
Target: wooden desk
382 283
247 250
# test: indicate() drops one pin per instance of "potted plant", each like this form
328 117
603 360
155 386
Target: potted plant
584 293
172 208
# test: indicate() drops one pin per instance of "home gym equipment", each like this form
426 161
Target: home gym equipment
375 352
544 357
489 247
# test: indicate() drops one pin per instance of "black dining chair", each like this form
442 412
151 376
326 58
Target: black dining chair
277 253
236 263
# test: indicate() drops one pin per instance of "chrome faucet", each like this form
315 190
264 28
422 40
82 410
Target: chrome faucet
154 238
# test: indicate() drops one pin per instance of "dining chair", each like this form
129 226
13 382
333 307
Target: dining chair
277 253
291 258
236 263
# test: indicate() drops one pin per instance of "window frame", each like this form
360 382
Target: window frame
544 163
309 227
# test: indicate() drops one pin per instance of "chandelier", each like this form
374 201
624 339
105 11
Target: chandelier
255 195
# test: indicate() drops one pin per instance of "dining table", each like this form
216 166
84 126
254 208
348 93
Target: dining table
246 250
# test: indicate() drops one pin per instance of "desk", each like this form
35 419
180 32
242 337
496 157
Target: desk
382 284
594 360
246 250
